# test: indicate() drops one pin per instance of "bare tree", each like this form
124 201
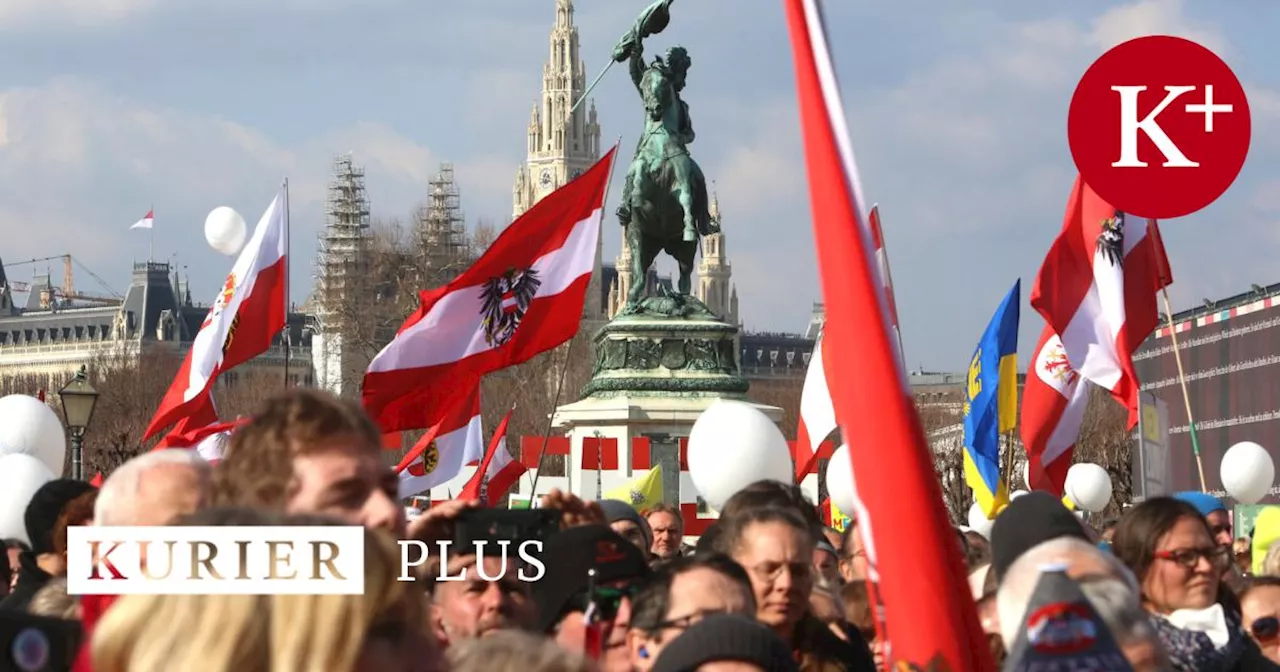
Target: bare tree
483 236
1105 440
941 419
130 389
243 391
531 389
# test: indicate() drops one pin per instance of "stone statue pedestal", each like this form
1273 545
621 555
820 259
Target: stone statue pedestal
655 373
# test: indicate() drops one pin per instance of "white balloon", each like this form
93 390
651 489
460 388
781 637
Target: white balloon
20 476
732 445
1248 472
224 230
30 427
1089 486
840 487
1016 494
978 521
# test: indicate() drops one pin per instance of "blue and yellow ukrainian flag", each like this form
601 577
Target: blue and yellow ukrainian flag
991 404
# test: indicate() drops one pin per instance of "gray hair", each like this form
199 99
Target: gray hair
1119 607
117 497
514 650
1020 580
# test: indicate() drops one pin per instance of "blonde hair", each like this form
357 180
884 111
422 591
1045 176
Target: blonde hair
193 633
512 651
260 633
1271 561
328 632
52 600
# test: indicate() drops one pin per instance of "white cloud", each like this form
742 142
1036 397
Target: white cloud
16 14
80 164
1153 17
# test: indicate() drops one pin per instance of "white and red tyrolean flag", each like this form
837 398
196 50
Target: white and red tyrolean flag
1054 400
449 445
524 296
498 471
929 619
248 313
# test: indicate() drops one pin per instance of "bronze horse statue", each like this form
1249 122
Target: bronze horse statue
664 204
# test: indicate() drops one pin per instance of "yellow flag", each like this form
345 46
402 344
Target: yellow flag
839 521
641 493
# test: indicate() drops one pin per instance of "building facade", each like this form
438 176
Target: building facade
562 142
1230 350
49 336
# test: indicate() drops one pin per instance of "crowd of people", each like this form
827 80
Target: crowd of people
766 588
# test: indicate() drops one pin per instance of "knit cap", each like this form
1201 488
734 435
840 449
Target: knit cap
725 637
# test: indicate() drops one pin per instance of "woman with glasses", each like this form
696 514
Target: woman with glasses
1179 565
1260 609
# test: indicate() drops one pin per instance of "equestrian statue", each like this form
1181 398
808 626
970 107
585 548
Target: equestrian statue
664 205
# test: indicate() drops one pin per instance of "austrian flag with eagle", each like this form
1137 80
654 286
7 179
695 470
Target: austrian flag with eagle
506 300
1097 293
524 296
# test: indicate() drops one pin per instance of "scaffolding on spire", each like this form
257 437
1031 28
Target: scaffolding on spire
441 230
344 242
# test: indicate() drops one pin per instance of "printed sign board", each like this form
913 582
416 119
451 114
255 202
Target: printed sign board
1152 463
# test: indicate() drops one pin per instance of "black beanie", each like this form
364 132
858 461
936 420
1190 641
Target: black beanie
46 505
1027 522
568 557
726 637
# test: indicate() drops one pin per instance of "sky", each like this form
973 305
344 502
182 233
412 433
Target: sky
957 113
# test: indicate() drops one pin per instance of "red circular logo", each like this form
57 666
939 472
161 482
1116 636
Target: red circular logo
1159 127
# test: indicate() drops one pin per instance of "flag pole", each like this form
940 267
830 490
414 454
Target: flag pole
288 334
588 91
1182 382
1166 278
568 352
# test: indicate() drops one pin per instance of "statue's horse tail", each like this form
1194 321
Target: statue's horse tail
701 202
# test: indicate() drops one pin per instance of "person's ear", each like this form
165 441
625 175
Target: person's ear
640 647
436 617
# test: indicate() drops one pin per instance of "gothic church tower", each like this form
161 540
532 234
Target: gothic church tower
715 287
560 146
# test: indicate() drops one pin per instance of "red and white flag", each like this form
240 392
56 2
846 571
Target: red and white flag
524 296
817 414
1097 291
439 456
202 414
248 313
498 471
886 279
1053 404
929 622
145 222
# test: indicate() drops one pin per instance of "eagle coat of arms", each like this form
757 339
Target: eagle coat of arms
506 299
1111 239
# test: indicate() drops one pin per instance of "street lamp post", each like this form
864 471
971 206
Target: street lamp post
78 399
